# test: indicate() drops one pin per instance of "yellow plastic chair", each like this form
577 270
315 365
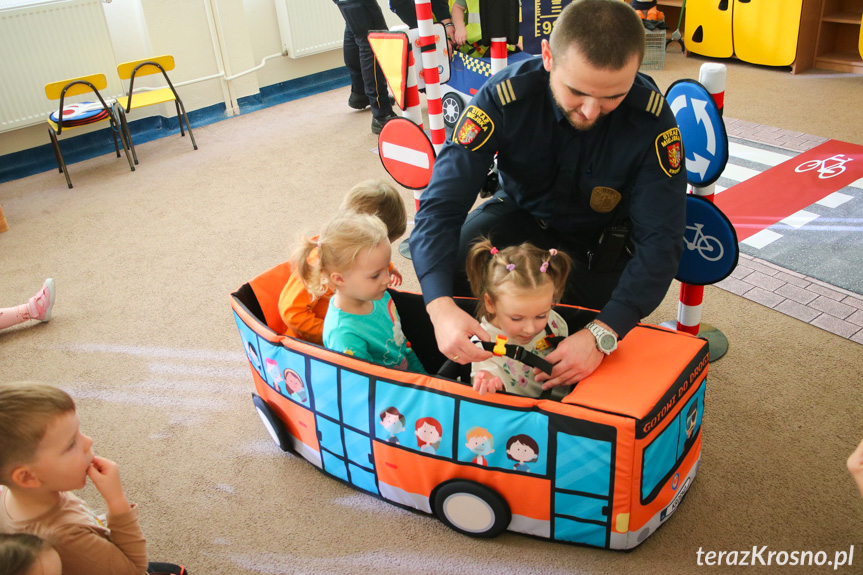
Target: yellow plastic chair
133 101
80 114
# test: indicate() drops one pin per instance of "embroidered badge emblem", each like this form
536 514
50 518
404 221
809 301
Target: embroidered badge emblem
467 133
474 130
603 200
669 151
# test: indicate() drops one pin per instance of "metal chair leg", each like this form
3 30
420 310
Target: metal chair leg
115 125
126 132
61 163
188 124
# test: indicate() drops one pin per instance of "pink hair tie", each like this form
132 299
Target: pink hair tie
543 267
552 252
510 267
493 251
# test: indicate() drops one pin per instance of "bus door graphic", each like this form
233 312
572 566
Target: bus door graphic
342 419
583 482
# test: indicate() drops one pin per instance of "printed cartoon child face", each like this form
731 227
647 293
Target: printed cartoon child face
63 455
521 313
368 277
521 452
293 381
691 420
428 434
392 422
479 445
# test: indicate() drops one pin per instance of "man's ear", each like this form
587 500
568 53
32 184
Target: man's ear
546 55
22 476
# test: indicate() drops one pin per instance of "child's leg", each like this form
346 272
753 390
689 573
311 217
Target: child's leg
38 308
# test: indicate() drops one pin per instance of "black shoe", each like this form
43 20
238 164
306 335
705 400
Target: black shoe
378 124
358 101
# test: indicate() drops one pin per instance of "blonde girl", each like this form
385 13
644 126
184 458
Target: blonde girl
353 261
516 289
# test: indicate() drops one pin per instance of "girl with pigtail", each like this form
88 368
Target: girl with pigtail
516 289
353 260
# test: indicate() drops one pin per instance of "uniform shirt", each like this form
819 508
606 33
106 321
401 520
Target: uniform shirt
86 546
575 182
376 337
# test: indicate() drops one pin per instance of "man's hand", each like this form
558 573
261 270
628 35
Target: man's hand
575 358
855 466
453 329
105 475
484 382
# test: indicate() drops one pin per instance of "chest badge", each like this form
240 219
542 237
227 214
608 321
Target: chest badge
603 200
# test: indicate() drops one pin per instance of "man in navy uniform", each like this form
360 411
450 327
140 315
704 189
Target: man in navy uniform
591 163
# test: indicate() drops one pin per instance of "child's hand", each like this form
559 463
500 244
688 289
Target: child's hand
484 382
105 475
395 277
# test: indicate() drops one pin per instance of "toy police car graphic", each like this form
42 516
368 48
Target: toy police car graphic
603 467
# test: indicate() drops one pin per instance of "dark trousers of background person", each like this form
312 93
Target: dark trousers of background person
505 224
366 77
406 10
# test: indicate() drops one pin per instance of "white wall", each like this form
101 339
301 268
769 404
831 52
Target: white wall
245 32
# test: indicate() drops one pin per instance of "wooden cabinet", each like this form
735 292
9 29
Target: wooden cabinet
838 44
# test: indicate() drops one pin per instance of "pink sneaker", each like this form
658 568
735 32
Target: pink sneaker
40 304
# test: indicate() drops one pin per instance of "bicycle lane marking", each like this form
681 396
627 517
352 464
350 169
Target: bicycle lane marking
775 194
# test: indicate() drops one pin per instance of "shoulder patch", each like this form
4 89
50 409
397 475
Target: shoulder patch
474 129
669 151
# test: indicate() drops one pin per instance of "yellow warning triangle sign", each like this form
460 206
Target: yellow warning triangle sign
391 52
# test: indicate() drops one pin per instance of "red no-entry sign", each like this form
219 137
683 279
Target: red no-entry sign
406 153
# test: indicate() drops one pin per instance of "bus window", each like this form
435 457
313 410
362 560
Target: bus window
664 453
415 418
287 372
492 436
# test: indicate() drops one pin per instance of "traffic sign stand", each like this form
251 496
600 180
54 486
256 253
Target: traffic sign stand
707 141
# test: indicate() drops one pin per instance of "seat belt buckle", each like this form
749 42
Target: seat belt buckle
500 346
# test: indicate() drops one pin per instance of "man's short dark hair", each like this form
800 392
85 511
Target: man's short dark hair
608 33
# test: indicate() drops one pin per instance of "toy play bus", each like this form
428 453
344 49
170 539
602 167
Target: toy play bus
604 467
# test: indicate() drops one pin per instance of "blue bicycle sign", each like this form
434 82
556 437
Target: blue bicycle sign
710 250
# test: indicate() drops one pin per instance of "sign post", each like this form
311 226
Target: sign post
698 109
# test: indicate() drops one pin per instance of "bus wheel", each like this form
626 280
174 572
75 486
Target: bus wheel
471 509
452 105
271 422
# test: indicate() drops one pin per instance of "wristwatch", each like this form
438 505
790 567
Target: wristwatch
606 341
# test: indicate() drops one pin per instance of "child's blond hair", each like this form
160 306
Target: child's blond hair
26 410
525 266
378 198
341 241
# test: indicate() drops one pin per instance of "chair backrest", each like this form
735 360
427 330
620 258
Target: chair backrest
55 90
145 67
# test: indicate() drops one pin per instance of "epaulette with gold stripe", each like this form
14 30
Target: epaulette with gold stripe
647 99
519 86
504 93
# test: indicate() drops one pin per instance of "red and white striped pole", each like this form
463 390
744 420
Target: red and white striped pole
413 109
498 55
431 76
712 77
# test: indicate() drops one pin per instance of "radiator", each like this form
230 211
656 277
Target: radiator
47 43
309 26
